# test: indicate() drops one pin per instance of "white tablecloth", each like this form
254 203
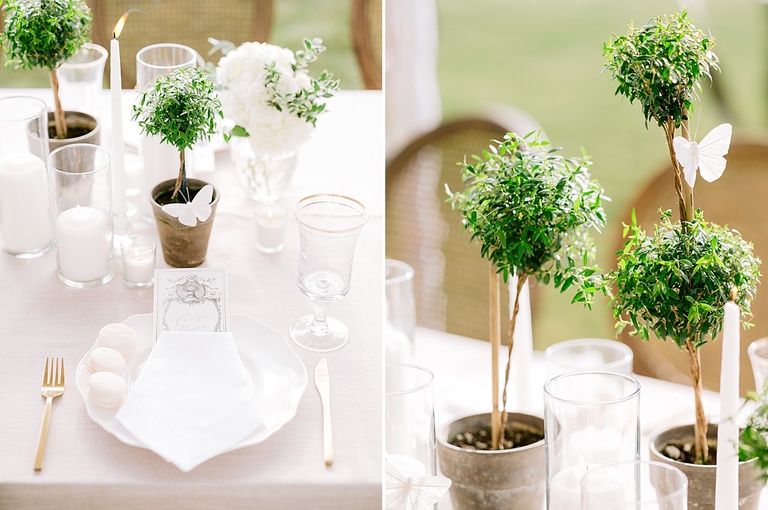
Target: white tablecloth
462 387
87 468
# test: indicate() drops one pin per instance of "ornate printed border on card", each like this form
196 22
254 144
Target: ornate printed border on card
190 300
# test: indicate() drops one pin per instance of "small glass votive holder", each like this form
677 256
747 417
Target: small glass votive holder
634 485
271 218
589 354
138 252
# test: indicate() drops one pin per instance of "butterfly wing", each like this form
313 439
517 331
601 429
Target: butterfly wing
686 153
184 213
711 151
428 491
201 204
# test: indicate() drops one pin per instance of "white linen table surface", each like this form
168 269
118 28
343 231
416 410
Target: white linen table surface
87 468
462 387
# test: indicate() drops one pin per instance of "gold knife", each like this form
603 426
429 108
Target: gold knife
323 385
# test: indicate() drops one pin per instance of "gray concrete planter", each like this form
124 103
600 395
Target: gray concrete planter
701 479
81 122
183 246
492 480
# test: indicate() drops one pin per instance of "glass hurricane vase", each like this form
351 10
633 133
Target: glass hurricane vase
265 177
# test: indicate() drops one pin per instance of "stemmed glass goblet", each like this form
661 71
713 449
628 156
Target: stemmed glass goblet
329 226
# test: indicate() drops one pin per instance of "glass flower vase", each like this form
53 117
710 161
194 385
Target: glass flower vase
265 177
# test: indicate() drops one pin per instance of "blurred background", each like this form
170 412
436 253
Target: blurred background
292 20
545 58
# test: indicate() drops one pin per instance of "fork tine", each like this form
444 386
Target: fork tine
45 374
61 378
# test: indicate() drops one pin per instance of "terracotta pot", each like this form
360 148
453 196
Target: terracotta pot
490 480
701 479
183 246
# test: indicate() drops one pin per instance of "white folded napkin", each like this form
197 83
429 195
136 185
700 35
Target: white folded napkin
193 399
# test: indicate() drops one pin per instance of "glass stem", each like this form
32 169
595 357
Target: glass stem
319 326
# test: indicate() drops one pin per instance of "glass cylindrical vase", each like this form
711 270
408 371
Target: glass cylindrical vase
25 220
265 177
590 419
81 191
409 436
160 160
81 79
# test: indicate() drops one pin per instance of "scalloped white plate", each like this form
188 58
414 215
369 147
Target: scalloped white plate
278 375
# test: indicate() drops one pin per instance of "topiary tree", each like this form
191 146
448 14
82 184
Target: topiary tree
531 210
675 282
181 108
45 33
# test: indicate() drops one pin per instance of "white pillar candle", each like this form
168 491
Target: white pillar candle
83 244
270 227
25 223
727 484
565 489
611 487
139 267
594 445
119 200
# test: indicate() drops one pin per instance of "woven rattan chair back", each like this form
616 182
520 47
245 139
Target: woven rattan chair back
187 22
366 17
451 280
737 200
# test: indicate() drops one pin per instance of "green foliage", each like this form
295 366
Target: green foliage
304 103
181 108
661 65
44 33
753 442
675 283
531 208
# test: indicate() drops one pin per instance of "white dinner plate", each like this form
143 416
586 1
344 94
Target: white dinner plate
278 375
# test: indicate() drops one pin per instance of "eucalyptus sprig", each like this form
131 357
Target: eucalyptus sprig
45 33
531 210
304 103
181 108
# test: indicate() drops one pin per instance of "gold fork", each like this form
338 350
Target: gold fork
53 386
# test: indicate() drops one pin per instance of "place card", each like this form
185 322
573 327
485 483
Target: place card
190 300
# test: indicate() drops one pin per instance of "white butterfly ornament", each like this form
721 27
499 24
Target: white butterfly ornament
706 156
197 208
407 486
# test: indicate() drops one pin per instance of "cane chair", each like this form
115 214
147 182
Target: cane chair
736 200
187 22
366 17
451 277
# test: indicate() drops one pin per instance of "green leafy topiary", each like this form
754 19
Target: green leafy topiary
181 108
45 33
531 210
661 65
675 282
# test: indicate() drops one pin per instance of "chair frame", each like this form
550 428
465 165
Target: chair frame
361 40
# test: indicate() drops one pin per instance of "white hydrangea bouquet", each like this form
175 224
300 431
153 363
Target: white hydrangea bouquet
268 93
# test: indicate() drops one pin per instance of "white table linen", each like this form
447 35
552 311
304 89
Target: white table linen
87 468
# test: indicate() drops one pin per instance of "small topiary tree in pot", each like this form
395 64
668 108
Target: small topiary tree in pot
675 282
531 210
181 108
45 33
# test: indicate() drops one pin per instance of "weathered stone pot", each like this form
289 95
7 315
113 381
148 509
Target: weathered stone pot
183 246
701 479
491 480
77 122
